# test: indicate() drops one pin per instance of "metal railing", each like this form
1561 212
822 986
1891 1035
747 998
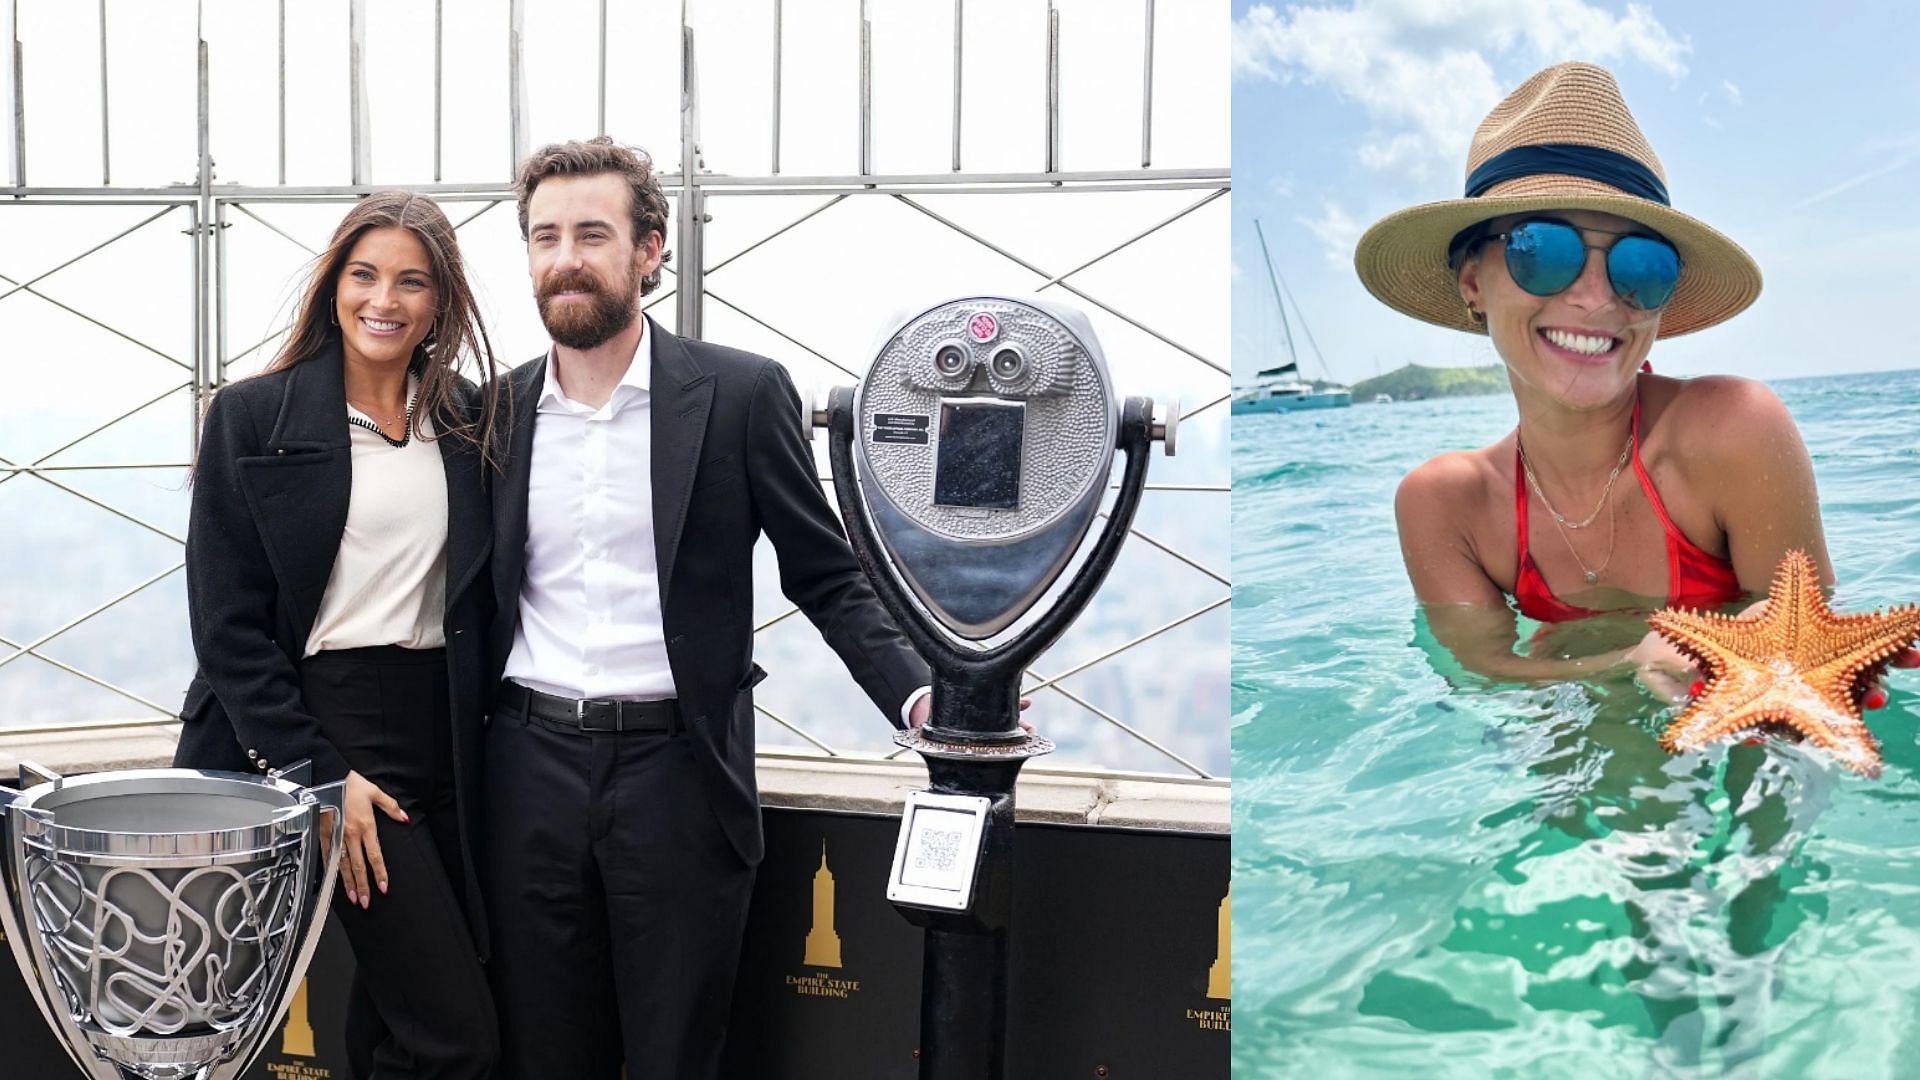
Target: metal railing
210 210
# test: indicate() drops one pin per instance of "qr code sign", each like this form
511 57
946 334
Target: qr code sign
939 850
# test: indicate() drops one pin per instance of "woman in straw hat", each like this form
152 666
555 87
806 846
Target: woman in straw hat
1619 489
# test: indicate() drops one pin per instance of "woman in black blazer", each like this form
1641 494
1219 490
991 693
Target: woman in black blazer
340 525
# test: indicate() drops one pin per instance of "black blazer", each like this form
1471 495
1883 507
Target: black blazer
270 493
730 461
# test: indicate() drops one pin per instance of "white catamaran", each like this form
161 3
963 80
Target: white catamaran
1281 389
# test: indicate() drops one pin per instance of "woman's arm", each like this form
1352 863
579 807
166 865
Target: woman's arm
1482 638
1739 443
1439 555
1465 610
231 598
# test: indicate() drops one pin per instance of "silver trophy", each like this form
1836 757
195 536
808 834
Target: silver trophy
164 918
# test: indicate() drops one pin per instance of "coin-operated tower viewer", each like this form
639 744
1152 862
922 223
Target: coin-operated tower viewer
969 464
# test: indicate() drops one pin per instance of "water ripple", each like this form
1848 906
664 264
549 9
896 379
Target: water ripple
1471 881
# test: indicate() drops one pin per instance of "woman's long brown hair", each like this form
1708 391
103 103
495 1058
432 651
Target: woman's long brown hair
457 332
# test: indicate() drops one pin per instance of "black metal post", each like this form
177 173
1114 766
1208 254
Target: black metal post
963 993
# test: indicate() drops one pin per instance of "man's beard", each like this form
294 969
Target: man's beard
591 325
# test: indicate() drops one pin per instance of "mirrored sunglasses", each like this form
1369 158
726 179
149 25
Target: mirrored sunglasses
1546 257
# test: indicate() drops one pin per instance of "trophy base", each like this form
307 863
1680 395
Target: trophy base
917 740
177 1057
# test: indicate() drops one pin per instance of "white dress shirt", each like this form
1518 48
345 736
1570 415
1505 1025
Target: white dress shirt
590 618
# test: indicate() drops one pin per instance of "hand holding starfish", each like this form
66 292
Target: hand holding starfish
1795 668
1674 677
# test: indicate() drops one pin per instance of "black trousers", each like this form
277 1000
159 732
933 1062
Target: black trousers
616 903
419 1006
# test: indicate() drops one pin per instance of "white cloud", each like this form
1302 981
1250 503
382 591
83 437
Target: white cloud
1423 69
1733 93
1338 231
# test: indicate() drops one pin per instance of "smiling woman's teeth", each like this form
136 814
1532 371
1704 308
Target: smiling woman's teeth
376 324
1591 344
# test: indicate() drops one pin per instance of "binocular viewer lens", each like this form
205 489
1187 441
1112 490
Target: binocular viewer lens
952 361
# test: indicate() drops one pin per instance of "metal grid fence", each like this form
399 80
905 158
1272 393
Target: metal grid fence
205 213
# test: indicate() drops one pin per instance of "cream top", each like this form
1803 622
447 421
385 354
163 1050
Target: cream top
389 581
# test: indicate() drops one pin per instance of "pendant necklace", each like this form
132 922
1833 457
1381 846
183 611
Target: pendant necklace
1563 526
404 418
1558 517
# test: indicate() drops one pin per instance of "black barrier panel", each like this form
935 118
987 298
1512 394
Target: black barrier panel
27 1047
1118 955
1119 961
310 1043
820 994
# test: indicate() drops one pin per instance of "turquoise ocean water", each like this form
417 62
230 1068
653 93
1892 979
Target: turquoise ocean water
1439 878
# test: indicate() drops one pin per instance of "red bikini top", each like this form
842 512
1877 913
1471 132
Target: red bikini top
1695 579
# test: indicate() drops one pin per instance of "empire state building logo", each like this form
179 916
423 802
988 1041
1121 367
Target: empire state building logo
1219 976
823 944
296 1039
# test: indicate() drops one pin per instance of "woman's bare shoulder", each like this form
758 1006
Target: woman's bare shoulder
1721 417
1449 479
1445 511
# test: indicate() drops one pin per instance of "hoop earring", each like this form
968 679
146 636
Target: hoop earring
1476 316
333 313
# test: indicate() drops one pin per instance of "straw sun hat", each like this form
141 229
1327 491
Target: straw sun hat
1563 141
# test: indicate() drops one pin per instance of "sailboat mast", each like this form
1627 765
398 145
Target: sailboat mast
1301 314
1274 281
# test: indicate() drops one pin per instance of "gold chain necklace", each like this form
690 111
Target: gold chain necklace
1560 519
397 417
1592 576
404 418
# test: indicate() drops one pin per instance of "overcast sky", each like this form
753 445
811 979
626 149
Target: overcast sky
828 276
1790 127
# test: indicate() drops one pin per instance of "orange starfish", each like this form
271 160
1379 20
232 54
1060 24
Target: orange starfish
1796 667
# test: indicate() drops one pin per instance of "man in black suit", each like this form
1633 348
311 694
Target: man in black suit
623 824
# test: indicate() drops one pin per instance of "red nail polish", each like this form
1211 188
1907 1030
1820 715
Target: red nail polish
1876 699
1756 741
1699 685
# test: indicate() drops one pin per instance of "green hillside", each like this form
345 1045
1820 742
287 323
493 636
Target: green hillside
1416 382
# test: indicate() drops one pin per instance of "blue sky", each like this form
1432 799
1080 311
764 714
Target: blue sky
1793 128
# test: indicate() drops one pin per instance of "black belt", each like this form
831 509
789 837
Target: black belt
592 714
